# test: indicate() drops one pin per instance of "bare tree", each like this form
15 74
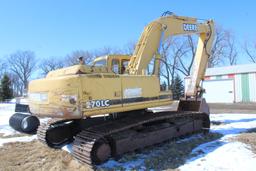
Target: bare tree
191 46
89 56
218 47
178 54
172 51
250 50
3 68
186 50
72 58
231 50
129 48
165 71
50 64
22 64
17 85
223 49
107 51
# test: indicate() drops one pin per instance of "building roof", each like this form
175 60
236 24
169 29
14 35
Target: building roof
235 69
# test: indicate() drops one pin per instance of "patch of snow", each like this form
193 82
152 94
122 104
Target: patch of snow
129 165
230 156
6 111
231 118
216 155
13 100
17 139
20 100
233 123
222 154
68 148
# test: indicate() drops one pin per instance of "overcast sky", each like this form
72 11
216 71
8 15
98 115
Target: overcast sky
57 27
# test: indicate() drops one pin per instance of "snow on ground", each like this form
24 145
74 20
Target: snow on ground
68 148
227 156
6 111
17 139
223 154
220 154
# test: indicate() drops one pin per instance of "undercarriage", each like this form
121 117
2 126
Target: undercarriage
98 139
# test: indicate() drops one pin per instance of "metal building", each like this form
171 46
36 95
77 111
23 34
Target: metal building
230 84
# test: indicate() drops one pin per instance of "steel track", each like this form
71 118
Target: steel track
85 141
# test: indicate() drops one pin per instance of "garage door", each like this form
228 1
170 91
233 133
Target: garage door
219 91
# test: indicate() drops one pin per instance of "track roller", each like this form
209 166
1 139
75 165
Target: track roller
101 152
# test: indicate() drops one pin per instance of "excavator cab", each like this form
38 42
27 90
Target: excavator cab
114 63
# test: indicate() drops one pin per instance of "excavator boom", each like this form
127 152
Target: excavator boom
159 30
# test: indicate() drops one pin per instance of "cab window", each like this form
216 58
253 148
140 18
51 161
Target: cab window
124 65
102 62
115 66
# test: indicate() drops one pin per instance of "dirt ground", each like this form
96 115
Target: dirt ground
249 108
248 138
29 156
11 136
33 155
215 108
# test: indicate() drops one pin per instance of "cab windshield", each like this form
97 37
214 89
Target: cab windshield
102 62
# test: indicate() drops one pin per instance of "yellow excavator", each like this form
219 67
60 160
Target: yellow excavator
103 108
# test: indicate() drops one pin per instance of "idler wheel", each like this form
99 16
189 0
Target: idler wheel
59 135
101 152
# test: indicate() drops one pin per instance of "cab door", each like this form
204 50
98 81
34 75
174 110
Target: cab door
124 65
115 66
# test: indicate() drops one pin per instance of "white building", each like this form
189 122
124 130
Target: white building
230 84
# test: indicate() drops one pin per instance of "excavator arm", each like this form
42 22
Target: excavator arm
158 31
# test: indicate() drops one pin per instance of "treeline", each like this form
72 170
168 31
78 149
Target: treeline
177 54
22 66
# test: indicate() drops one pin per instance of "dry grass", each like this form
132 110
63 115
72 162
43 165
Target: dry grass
248 138
14 135
169 155
30 156
175 154
33 155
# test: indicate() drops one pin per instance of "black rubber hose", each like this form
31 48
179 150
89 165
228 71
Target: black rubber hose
24 123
